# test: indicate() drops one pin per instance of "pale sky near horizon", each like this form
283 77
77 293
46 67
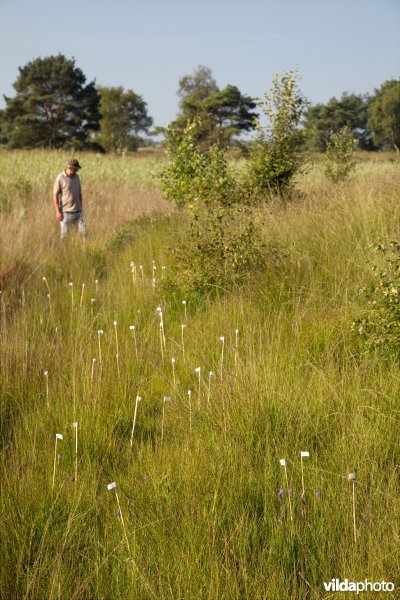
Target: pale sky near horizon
147 46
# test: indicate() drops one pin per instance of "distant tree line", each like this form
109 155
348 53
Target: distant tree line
373 119
54 107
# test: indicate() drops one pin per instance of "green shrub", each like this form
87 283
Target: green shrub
220 249
275 156
222 246
195 176
379 328
339 159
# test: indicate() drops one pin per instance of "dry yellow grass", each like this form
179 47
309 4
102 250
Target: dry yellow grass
115 189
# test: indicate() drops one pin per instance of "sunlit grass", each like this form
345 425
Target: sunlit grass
200 486
115 189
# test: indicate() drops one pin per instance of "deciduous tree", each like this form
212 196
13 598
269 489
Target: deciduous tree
350 111
276 155
198 86
384 116
124 115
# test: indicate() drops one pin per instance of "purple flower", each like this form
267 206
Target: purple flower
291 491
118 513
58 456
280 493
318 493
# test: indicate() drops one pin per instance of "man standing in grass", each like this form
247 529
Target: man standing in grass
67 197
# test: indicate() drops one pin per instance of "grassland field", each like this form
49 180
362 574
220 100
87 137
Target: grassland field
202 507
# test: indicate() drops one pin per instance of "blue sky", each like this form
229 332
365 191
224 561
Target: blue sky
147 45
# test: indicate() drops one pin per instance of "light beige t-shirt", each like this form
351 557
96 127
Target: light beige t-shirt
68 190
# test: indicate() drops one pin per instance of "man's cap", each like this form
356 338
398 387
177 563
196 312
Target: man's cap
73 163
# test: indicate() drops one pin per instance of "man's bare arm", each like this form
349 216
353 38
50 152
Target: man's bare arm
57 207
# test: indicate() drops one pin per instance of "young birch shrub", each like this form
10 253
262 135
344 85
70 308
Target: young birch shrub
379 328
196 176
275 157
222 249
221 245
339 158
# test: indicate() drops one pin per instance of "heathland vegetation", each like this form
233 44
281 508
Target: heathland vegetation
204 507
54 107
200 401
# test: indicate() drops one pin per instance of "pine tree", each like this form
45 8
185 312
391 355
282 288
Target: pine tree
53 107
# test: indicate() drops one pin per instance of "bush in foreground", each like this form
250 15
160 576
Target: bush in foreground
379 328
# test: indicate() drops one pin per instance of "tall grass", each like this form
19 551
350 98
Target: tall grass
115 189
203 507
